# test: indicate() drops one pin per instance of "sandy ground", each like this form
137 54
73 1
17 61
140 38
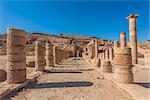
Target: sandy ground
85 85
82 85
141 75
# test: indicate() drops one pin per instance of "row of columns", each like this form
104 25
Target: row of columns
45 55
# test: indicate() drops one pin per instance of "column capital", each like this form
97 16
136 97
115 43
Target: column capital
132 16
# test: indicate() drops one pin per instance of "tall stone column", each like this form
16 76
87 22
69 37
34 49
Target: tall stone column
123 65
123 39
16 57
40 56
133 37
49 55
111 55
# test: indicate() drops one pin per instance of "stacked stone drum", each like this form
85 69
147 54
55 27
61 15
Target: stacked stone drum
106 66
40 56
123 65
16 57
49 55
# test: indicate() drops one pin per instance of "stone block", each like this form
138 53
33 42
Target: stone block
123 77
123 60
16 65
31 64
16 40
15 49
16 32
16 58
122 51
16 76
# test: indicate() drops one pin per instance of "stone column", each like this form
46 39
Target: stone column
96 48
40 56
111 55
116 44
78 53
16 57
133 37
106 67
147 58
49 55
123 39
106 54
54 54
123 65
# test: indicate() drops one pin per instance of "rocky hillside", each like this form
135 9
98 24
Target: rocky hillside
58 39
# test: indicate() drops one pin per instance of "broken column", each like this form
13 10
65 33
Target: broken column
123 65
116 44
106 66
49 55
98 62
16 57
133 37
122 39
40 56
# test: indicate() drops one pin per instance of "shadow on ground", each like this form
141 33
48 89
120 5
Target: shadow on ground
61 71
146 85
62 84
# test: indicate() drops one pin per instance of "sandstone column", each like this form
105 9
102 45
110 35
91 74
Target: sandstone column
96 48
111 55
40 56
133 37
106 67
147 58
49 55
122 39
106 54
56 54
123 65
78 53
16 57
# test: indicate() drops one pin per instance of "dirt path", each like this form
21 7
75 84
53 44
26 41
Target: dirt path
79 85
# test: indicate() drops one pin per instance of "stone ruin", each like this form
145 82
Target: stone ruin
112 57
116 57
